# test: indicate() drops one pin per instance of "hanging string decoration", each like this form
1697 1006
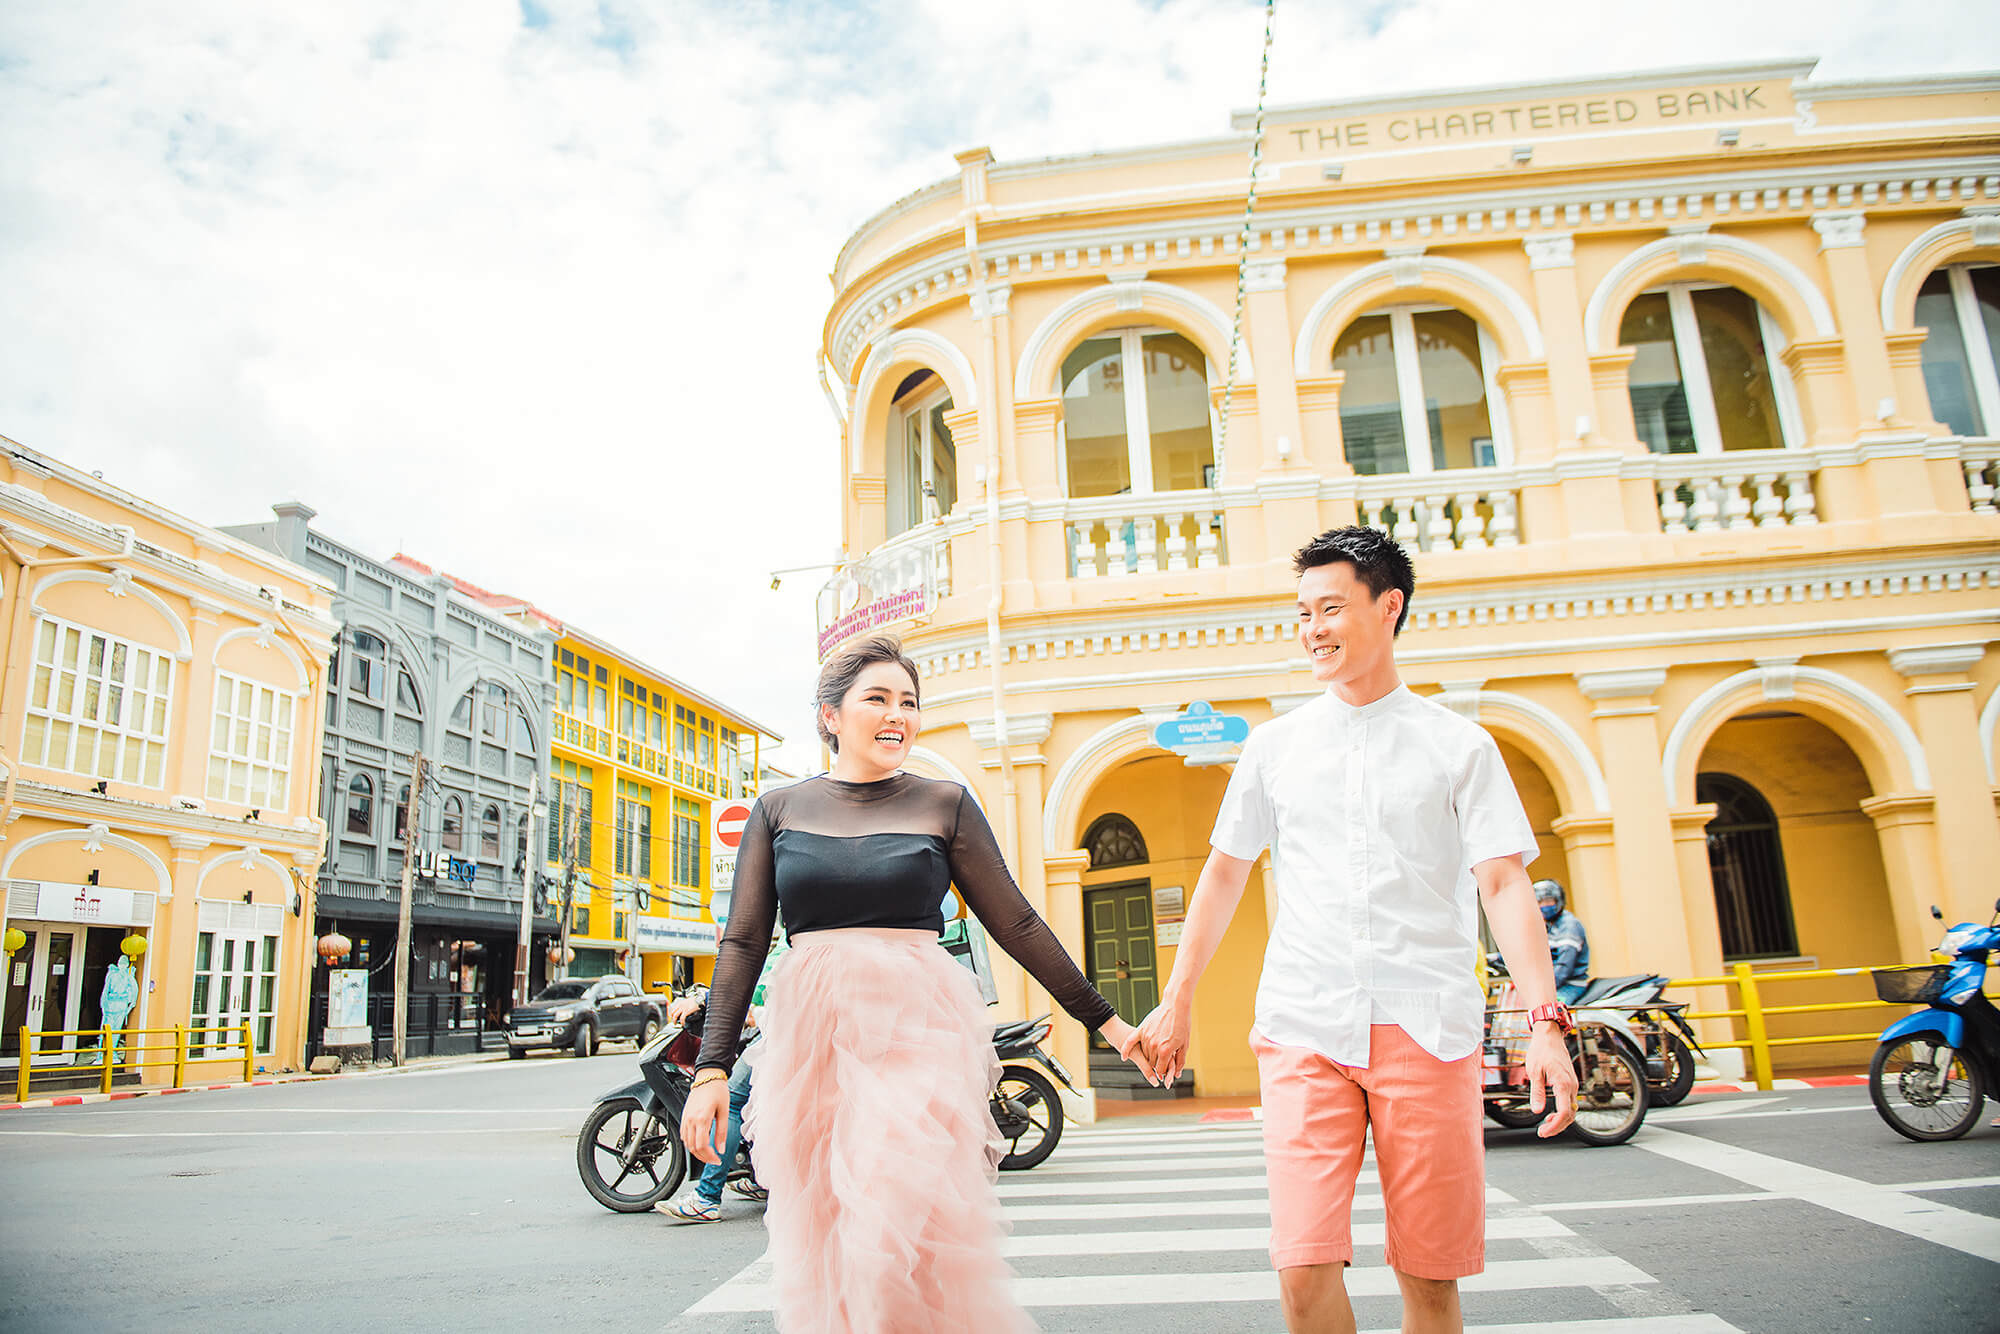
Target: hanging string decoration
1243 240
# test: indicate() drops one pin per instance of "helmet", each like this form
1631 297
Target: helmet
1551 898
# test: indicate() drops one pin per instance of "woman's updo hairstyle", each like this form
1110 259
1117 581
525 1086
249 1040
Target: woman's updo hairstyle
837 677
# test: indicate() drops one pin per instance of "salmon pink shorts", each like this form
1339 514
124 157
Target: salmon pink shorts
1429 1152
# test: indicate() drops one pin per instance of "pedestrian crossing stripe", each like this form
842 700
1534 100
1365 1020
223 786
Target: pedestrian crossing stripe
1200 1176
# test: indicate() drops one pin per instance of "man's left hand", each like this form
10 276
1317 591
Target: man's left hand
1551 1071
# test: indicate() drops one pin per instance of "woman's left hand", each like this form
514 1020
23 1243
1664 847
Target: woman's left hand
1126 1039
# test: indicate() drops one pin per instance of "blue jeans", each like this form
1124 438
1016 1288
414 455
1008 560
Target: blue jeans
715 1175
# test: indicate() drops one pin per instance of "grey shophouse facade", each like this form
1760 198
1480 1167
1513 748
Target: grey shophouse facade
420 667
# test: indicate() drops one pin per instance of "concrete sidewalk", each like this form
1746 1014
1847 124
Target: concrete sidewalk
264 1081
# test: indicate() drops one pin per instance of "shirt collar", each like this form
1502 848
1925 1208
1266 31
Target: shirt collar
1354 713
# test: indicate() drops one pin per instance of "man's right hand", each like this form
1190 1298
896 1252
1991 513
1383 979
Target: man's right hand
1164 1035
702 1121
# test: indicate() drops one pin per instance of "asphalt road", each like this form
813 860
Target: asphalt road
449 1198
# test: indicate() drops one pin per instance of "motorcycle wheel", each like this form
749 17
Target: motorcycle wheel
1040 1105
1514 1118
1611 1095
656 1171
1918 1100
1678 1079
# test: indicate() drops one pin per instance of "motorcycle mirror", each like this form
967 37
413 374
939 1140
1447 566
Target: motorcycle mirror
1936 914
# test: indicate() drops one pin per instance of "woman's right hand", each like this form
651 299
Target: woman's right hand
701 1122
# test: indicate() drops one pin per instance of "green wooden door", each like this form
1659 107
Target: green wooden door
1118 948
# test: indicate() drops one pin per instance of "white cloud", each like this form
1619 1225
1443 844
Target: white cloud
539 303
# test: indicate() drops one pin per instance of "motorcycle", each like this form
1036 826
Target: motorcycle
1612 1093
629 1152
1931 1073
1657 1029
1026 1105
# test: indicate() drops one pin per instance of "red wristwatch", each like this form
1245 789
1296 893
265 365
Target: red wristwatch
1556 1013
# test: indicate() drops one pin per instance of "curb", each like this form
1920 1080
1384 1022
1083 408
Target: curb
120 1095
1227 1114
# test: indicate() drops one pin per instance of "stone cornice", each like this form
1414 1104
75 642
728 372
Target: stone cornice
86 808
1023 729
1936 659
1632 683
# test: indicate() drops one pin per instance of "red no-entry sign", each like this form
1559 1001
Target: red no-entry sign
730 817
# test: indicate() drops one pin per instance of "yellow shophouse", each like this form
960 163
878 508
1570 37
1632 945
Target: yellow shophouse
1683 388
639 761
160 728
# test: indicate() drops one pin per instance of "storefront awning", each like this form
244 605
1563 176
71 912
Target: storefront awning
661 935
505 921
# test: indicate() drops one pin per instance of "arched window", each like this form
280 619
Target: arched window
361 805
524 737
1753 902
1113 840
454 824
461 713
493 711
1136 414
1959 307
1419 374
923 461
489 834
402 812
367 665
406 693
1706 378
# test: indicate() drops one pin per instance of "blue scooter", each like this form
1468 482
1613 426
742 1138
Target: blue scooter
1932 1071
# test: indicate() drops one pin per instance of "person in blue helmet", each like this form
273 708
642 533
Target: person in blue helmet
1569 943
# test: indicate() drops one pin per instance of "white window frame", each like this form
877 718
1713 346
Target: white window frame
1693 363
76 720
376 688
235 994
1978 348
275 761
1138 423
1410 387
918 405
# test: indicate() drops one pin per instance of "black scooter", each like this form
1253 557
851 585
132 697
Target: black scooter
629 1152
1026 1106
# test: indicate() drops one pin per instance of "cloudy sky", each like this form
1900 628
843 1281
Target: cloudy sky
532 290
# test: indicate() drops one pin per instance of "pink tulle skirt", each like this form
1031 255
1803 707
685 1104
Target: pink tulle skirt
869 1110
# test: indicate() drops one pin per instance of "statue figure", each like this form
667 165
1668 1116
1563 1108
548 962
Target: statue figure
115 1002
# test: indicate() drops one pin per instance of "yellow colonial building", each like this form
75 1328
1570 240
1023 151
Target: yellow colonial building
1681 387
638 763
160 735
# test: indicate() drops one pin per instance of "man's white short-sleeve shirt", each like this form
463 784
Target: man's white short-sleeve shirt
1375 817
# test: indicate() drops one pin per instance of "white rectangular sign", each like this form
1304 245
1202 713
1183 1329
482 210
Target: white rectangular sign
97 905
663 935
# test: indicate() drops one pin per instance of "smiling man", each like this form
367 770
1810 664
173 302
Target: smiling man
1387 817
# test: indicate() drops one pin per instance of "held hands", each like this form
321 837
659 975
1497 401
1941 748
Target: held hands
1550 1071
702 1122
1164 1036
1127 1040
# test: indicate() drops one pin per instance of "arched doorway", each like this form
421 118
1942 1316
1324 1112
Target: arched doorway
1146 825
1797 870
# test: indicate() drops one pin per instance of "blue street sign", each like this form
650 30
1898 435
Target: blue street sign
1201 729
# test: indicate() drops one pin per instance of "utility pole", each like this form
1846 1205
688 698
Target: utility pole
522 957
573 832
410 835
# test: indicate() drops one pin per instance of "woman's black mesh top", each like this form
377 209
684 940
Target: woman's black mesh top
833 854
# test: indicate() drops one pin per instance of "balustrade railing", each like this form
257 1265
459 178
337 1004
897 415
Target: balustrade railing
1460 509
1981 461
1145 535
1762 488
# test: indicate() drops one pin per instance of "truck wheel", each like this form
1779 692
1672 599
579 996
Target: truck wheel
586 1040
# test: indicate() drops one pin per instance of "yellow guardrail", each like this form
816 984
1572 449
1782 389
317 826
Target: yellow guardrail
188 1043
1754 1013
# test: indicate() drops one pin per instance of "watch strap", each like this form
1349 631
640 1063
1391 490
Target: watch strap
1555 1012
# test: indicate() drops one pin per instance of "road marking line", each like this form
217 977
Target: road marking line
272 1134
1074 1290
1958 1229
1707 1110
1038 1182
1258 1205
1130 1164
1727 1112
1955 1183
1208 1240
1658 1324
1662 1201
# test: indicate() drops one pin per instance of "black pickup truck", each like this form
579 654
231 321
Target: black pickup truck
579 1012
